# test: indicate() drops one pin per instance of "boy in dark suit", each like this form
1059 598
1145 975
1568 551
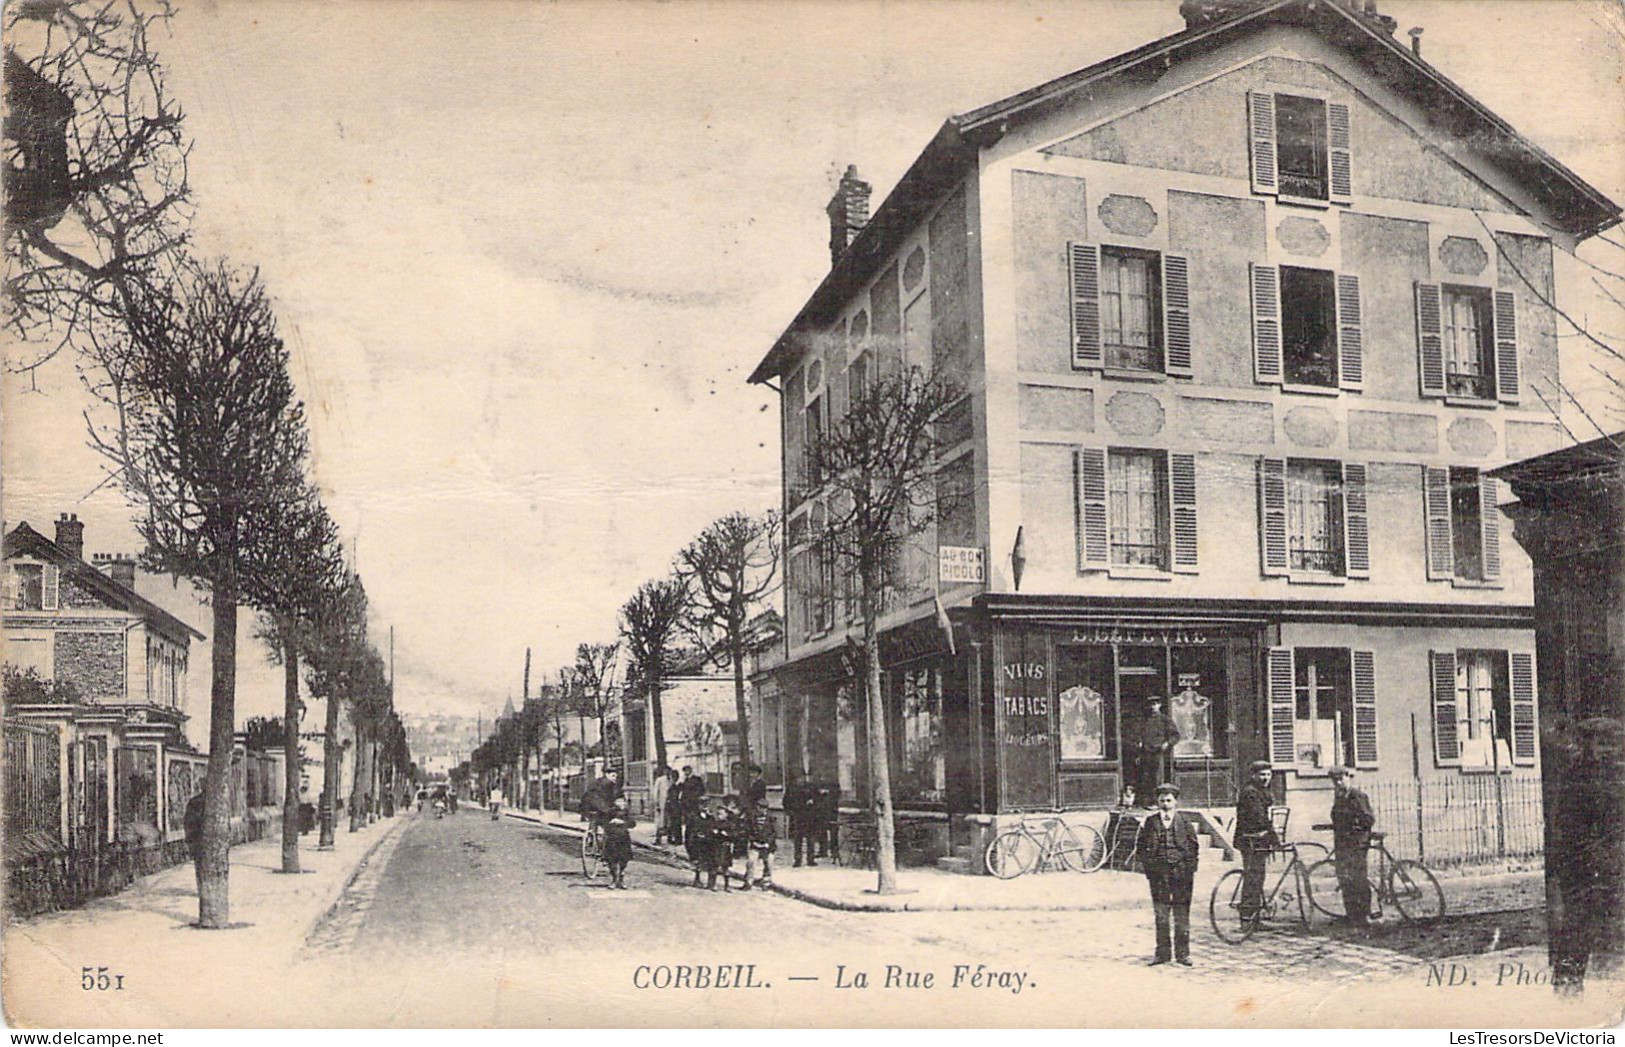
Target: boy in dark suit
618 842
1168 851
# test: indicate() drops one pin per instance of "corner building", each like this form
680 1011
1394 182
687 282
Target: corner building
1245 318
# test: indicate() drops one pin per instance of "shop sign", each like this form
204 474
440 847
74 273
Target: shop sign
961 563
1133 634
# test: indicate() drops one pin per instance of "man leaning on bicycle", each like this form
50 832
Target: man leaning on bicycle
1352 821
1255 834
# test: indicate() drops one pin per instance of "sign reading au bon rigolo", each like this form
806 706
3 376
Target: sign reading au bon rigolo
961 563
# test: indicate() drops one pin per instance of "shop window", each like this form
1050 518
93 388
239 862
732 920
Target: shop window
1198 701
1087 703
847 710
917 709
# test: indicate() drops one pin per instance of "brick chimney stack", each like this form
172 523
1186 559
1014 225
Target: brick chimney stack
848 213
70 535
118 566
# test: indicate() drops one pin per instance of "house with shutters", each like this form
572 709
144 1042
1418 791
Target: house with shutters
1244 320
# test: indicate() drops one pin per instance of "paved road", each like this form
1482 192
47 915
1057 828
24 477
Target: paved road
466 921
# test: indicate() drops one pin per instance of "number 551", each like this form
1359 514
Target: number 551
98 979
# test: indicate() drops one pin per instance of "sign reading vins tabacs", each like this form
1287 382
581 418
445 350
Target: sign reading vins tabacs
1026 740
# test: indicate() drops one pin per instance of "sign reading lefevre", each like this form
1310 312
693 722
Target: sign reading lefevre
960 563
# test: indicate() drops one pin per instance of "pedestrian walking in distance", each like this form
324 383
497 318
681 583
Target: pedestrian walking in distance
1352 820
799 798
494 801
1255 835
618 842
1169 851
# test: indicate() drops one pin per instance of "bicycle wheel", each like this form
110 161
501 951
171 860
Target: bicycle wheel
1298 893
1324 893
592 853
1011 854
1224 909
1081 849
1416 893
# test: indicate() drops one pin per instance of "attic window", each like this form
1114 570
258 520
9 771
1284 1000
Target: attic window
1301 147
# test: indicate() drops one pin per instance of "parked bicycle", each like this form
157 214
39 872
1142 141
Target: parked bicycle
1055 845
1288 897
1404 884
592 851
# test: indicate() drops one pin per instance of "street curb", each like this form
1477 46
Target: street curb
830 903
360 865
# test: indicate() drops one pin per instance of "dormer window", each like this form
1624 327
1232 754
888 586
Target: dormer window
1300 146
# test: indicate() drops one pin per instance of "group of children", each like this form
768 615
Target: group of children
721 831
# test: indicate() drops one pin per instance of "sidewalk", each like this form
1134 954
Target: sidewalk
937 890
144 932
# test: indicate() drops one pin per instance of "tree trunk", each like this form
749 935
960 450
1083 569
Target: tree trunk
658 714
290 754
736 647
331 755
358 781
214 900
879 762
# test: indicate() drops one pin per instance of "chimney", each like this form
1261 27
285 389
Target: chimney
1199 13
118 566
848 213
1415 33
70 535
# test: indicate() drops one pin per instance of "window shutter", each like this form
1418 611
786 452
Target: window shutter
1267 323
1272 515
1261 134
1525 740
1436 507
51 585
1365 709
1489 522
1083 267
1446 740
1430 338
11 587
1176 314
1356 522
1339 157
1094 551
1182 500
1506 346
1350 351
1282 707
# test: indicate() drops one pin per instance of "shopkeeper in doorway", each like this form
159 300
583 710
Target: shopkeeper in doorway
1158 736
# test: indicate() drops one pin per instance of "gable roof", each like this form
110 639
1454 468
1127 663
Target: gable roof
1582 210
24 539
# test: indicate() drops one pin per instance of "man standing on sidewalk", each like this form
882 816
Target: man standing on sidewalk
1169 851
690 796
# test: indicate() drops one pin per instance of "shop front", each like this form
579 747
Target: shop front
1079 709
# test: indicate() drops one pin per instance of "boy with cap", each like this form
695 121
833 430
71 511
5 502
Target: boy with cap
1255 834
1169 850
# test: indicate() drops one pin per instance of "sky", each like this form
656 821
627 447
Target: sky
526 254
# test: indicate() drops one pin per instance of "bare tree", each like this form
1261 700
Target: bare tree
206 435
96 182
306 563
650 622
730 568
875 473
594 688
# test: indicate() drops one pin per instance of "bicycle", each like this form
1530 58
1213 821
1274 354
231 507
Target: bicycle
592 851
1404 883
1234 924
1060 846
